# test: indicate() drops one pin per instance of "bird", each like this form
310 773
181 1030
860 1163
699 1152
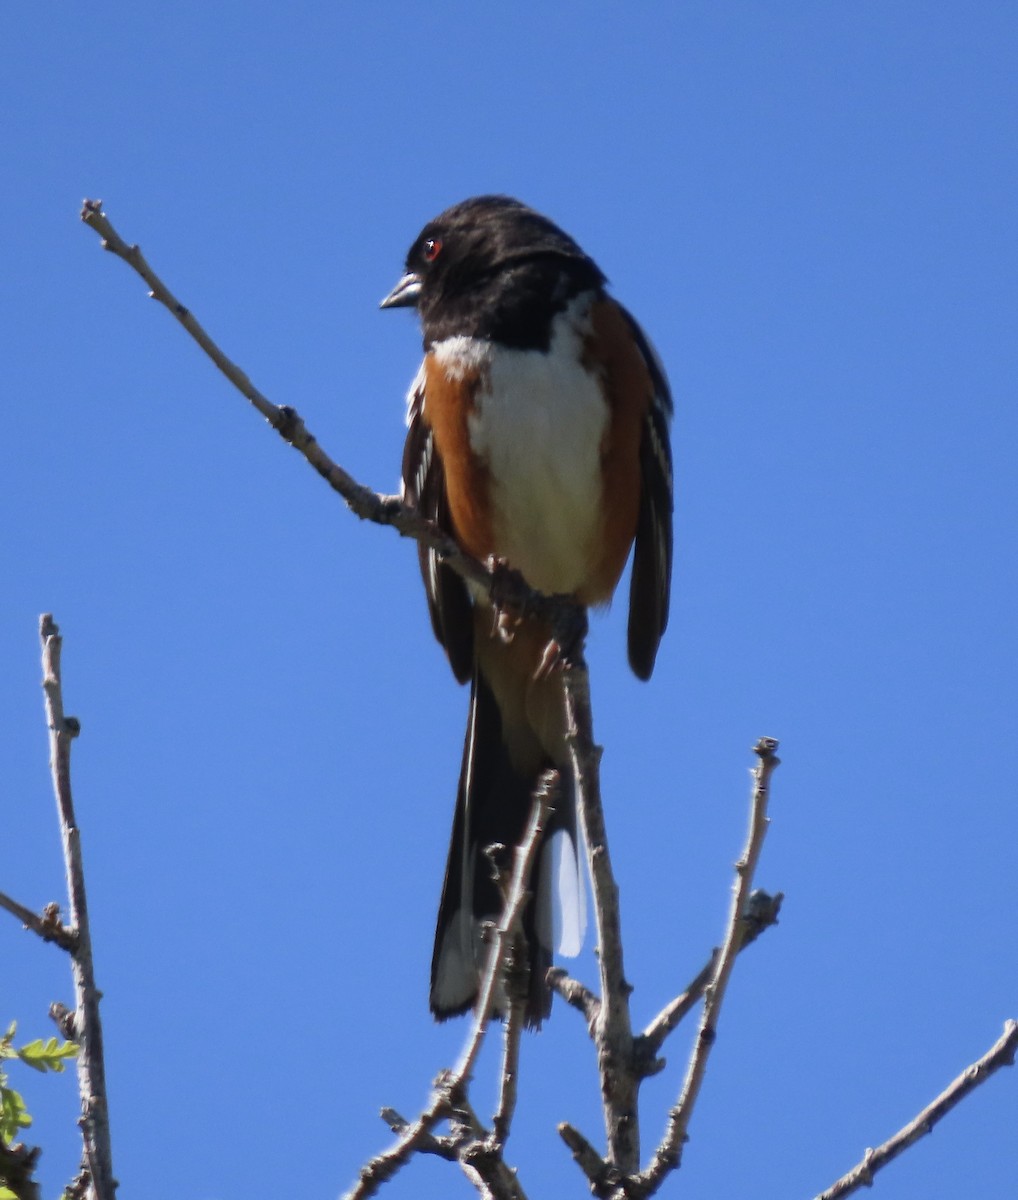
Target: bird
538 437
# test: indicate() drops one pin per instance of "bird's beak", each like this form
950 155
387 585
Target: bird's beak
405 293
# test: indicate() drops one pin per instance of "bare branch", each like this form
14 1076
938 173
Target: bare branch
413 1138
761 913
516 980
505 933
441 1147
385 510
669 1154
95 1127
575 994
512 1033
476 1152
47 925
1000 1054
613 1028
602 1176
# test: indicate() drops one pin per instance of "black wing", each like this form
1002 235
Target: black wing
651 579
424 487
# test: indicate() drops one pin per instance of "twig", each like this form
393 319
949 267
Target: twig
283 419
417 1136
476 1153
512 1034
613 1035
669 1154
370 505
48 926
577 995
441 1147
1000 1054
516 976
602 1176
504 934
762 913
95 1127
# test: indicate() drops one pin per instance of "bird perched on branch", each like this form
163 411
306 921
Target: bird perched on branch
538 436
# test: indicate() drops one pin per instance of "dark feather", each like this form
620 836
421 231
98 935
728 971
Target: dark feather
493 805
650 581
424 486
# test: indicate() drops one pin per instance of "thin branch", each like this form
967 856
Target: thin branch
512 1033
577 995
602 1176
370 505
1000 1054
451 1086
416 1137
613 1034
365 503
95 1126
516 980
507 929
762 913
669 1154
441 1147
47 925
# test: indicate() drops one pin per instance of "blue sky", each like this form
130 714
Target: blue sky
811 209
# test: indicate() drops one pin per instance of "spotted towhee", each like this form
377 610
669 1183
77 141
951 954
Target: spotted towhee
538 434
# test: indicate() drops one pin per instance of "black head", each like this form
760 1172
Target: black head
490 267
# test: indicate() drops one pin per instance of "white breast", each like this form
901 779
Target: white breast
538 422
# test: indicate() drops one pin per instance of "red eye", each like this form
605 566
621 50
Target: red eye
432 249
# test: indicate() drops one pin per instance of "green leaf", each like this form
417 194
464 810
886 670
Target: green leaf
13 1114
47 1056
7 1194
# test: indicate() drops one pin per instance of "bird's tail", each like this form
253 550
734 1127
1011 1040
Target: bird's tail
503 759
